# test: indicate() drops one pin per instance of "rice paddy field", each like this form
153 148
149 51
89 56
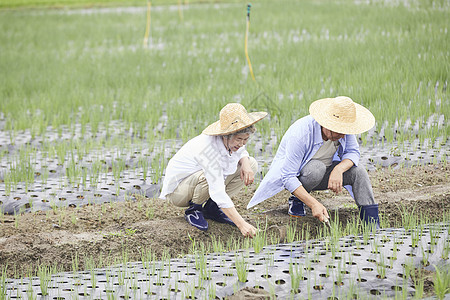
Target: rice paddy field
95 98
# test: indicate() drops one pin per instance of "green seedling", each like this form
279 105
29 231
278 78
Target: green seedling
296 274
241 266
291 231
260 239
381 267
45 276
441 282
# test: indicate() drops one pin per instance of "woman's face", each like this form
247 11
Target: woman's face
236 141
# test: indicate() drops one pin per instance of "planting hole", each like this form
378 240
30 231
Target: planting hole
280 281
221 283
375 292
324 275
318 287
367 269
396 288
361 280
80 197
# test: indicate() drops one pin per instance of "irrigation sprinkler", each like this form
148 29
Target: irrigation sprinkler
246 42
147 28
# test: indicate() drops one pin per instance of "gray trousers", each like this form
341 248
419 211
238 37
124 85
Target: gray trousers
314 177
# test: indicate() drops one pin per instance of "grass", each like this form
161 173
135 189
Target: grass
87 75
193 67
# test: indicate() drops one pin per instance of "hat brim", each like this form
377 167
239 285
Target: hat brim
320 111
215 128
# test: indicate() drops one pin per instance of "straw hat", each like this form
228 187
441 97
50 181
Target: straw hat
342 115
233 117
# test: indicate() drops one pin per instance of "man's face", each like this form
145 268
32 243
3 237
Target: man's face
331 135
237 141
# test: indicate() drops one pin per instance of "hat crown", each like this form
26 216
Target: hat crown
233 114
343 109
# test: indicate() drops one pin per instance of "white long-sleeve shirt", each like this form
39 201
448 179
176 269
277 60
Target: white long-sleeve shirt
207 153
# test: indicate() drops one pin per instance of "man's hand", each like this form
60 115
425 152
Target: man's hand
247 175
320 212
335 180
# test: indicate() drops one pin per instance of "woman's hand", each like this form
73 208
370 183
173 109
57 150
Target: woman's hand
247 230
247 175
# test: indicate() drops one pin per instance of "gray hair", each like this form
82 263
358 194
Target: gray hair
250 129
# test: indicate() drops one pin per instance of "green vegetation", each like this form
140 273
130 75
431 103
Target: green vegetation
8 4
85 73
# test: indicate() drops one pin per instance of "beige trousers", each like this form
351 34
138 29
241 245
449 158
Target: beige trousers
195 188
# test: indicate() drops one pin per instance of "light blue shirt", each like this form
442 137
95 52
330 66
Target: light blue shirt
297 147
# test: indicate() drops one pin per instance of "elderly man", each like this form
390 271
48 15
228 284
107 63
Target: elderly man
211 168
319 152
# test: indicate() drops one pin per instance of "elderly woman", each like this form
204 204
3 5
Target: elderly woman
211 168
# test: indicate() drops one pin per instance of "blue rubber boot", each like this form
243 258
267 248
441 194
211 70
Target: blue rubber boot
213 212
194 216
296 207
369 215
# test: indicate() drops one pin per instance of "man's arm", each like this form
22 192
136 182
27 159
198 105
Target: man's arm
318 210
336 178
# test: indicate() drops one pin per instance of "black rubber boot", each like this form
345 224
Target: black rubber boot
369 215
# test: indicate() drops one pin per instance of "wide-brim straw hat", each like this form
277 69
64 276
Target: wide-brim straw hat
342 115
232 118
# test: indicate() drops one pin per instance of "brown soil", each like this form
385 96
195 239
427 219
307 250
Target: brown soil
105 232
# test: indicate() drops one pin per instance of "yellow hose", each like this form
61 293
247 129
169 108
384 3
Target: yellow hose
147 28
180 10
246 47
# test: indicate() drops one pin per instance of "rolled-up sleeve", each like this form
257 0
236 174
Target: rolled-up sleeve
244 154
351 150
290 169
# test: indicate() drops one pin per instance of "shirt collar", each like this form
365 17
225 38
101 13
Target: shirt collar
221 146
317 134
